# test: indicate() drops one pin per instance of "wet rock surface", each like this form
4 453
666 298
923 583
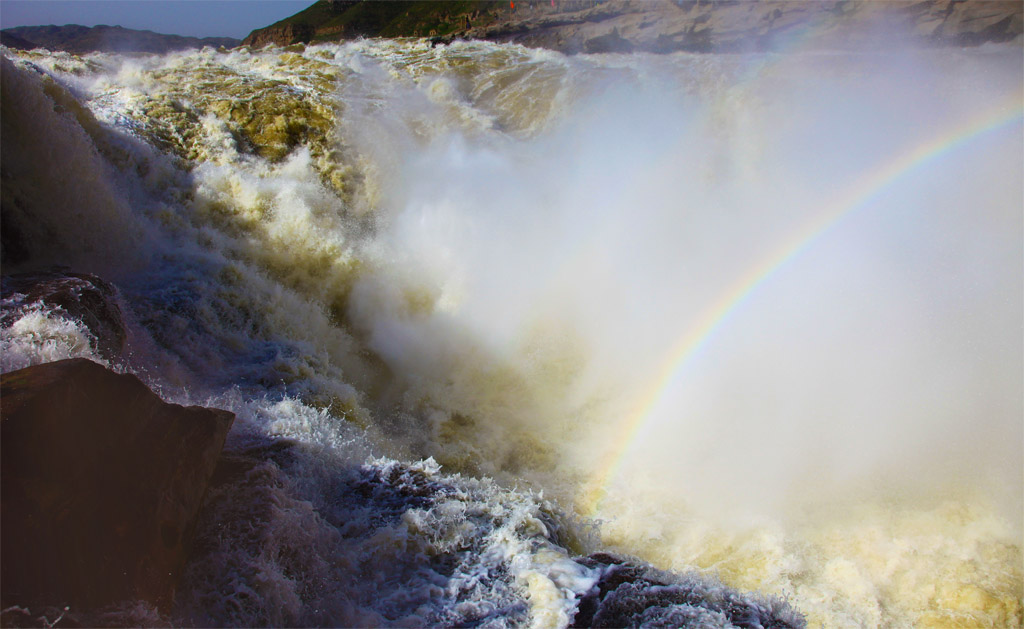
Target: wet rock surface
102 483
631 594
80 296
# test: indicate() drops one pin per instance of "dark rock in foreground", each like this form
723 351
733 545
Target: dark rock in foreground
102 483
81 296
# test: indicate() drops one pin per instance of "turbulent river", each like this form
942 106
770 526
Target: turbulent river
753 318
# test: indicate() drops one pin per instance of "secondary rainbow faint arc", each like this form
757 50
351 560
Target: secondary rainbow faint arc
698 335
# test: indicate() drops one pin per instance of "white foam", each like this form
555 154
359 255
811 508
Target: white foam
41 336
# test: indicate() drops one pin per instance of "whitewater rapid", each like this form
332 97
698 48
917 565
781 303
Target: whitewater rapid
757 316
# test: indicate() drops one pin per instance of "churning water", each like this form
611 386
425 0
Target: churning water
757 316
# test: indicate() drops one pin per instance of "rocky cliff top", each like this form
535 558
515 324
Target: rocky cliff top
573 26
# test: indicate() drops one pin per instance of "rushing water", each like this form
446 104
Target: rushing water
757 316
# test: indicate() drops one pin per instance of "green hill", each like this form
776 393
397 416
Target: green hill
84 39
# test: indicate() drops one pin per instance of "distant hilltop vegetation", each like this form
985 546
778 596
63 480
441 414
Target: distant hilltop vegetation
573 26
83 39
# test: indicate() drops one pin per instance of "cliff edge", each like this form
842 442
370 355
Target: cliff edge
574 26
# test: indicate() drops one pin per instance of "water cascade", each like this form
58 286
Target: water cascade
756 316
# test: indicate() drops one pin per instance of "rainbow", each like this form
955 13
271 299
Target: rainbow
865 189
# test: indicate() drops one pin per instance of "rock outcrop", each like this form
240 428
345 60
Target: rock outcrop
574 26
291 33
102 484
80 296
632 594
730 26
84 39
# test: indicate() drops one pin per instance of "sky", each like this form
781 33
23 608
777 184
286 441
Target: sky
196 18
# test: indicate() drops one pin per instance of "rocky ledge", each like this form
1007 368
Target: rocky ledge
79 296
102 483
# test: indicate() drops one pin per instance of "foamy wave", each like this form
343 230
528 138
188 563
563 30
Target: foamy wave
41 335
